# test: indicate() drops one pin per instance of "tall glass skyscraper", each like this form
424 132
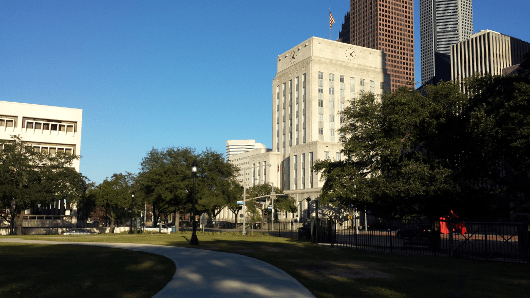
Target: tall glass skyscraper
442 24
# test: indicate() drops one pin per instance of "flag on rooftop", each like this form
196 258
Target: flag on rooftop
331 20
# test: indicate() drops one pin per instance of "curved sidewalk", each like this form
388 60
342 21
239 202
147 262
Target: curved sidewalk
203 273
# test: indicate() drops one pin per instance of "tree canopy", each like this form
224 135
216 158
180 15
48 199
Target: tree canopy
29 177
114 196
282 202
409 154
166 182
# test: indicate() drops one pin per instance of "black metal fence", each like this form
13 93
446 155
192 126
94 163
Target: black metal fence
502 241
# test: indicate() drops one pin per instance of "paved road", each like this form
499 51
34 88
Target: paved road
203 273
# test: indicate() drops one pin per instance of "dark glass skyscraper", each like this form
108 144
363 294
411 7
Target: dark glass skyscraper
386 25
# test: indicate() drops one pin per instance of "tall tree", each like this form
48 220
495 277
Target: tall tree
215 188
114 196
165 181
28 178
387 168
282 202
497 144
235 194
409 154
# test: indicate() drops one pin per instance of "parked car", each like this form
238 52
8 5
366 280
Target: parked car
414 231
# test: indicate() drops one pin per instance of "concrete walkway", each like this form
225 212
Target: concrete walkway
203 273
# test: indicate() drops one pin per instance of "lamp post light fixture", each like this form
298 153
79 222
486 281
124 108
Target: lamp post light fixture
194 240
132 212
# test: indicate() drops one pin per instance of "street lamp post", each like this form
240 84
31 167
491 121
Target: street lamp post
244 208
132 212
272 211
194 240
308 208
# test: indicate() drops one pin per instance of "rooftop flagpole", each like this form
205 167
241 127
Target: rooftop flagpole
331 22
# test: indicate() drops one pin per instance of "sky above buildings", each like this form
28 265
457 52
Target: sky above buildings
156 74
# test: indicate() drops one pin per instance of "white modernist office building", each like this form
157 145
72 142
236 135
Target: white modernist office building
235 147
314 82
46 128
486 52
442 23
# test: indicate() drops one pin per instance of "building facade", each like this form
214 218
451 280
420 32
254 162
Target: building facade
386 25
486 52
46 128
442 24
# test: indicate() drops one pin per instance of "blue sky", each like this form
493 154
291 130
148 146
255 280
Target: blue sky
156 74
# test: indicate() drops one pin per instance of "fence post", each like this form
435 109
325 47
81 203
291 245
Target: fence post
391 238
330 230
450 238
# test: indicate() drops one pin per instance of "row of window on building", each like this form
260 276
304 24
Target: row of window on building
287 99
50 148
38 125
284 99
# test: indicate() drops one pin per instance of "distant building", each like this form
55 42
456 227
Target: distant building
442 24
387 26
344 34
234 147
486 52
442 66
49 129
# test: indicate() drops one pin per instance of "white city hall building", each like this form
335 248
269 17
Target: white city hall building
314 82
46 128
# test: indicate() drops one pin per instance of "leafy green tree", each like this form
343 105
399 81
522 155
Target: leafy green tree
236 194
215 187
281 202
28 178
387 168
409 154
87 203
165 181
496 151
255 214
113 195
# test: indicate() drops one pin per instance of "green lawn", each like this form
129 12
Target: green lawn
35 270
338 272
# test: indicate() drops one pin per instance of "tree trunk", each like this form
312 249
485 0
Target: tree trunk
209 220
20 222
12 225
112 225
155 218
177 221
